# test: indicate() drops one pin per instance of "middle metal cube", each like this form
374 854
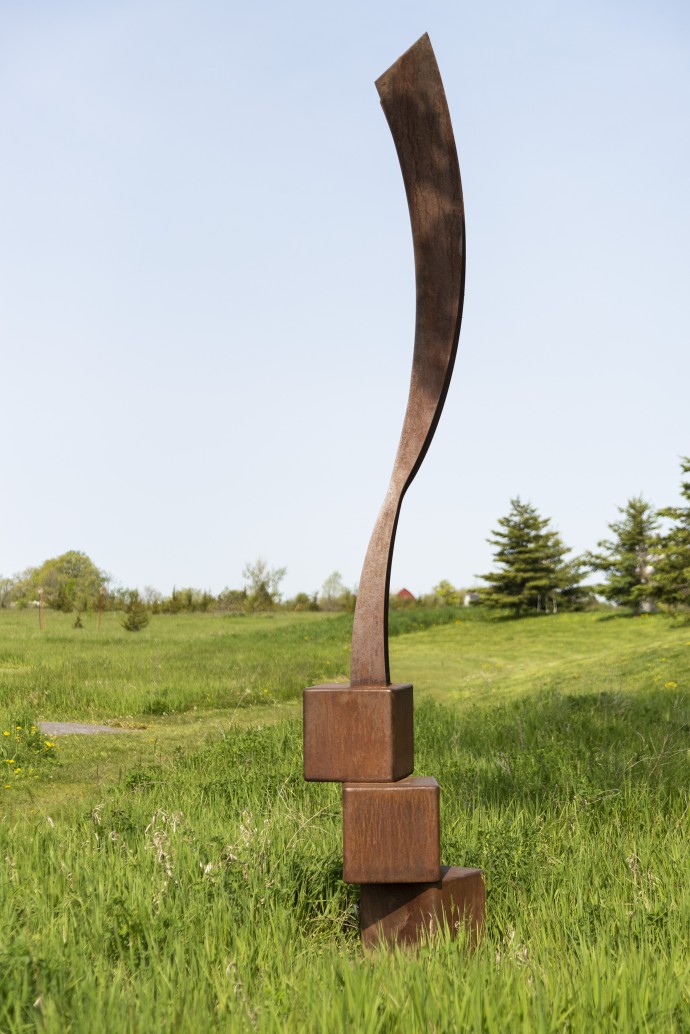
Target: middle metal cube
392 831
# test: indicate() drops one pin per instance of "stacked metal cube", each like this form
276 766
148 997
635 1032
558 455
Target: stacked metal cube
363 737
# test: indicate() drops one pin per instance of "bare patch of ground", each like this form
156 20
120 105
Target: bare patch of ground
75 728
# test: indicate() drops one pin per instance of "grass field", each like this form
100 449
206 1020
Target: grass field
182 876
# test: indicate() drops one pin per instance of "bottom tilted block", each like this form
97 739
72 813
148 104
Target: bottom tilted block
407 913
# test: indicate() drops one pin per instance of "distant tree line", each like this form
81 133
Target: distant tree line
72 582
645 564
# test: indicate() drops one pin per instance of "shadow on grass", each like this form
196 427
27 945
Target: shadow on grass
548 749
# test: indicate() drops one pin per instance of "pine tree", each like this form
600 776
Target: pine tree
136 613
627 560
533 574
671 582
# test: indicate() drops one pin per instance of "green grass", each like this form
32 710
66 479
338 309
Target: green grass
198 886
472 660
175 664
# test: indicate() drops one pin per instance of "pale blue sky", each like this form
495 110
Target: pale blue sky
206 281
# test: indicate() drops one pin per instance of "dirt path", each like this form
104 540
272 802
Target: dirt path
75 728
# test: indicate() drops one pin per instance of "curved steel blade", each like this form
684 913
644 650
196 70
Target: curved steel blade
414 103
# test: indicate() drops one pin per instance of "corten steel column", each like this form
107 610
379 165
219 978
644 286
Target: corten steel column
362 735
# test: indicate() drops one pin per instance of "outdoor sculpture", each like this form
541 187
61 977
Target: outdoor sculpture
362 735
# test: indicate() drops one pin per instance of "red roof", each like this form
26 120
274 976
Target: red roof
404 594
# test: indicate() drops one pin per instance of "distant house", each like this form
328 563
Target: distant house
470 597
405 594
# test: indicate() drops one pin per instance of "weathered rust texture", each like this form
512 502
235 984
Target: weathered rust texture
392 831
350 735
414 103
408 913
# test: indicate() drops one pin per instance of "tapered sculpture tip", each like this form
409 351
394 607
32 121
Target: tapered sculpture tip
421 49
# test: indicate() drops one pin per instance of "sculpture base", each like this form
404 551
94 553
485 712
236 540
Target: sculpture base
410 913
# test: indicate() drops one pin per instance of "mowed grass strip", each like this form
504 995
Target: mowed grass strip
474 660
186 663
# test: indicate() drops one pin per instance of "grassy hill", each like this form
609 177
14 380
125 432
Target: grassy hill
184 877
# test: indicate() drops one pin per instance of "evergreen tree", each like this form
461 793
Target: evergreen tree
136 613
627 559
671 582
532 573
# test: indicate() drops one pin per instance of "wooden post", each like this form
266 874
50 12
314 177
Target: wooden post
40 610
101 599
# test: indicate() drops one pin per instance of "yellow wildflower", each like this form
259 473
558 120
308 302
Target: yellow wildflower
670 685
5 733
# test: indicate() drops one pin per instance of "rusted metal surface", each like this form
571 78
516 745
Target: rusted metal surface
406 914
362 734
350 735
414 103
392 831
